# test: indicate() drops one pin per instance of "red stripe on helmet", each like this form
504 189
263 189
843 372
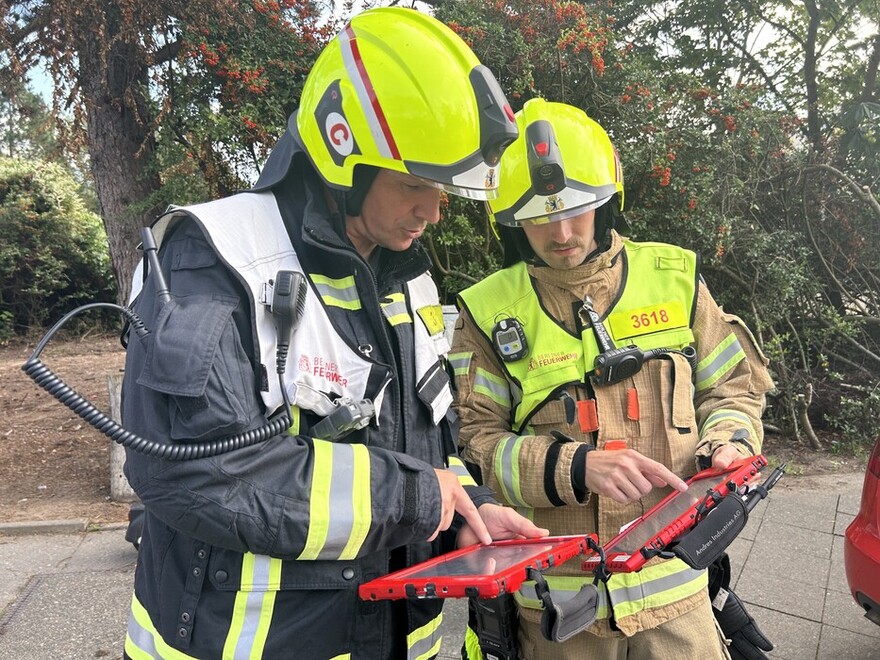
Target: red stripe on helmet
368 86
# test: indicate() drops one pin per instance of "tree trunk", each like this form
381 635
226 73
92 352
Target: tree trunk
121 145
814 124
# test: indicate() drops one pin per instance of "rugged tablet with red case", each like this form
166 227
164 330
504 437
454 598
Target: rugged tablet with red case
478 571
672 517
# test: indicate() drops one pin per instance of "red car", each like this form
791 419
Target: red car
861 547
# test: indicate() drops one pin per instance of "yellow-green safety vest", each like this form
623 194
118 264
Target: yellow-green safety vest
653 309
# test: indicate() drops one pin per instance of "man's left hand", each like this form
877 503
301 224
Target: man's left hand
502 523
724 456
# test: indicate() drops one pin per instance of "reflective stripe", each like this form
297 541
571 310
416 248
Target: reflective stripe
493 387
361 502
461 362
254 604
507 469
727 415
143 641
340 506
395 310
344 656
472 650
654 586
457 467
562 589
424 642
721 360
337 293
295 420
369 101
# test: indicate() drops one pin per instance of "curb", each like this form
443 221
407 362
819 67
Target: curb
74 526
43 527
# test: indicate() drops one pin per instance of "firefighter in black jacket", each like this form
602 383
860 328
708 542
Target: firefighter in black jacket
258 552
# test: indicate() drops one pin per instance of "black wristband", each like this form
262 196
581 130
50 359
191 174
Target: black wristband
579 472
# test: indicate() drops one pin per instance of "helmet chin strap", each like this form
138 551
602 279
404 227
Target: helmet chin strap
353 198
350 202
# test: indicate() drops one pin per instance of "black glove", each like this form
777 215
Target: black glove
747 642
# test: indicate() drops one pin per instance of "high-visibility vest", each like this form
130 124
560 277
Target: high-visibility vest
653 310
249 236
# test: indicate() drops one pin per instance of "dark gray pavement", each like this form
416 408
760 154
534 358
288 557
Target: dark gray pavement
65 592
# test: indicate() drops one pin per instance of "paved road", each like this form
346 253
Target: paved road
65 595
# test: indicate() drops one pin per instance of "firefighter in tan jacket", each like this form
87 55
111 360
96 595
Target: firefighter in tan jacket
581 449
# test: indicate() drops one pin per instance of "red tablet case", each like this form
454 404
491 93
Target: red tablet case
673 516
469 572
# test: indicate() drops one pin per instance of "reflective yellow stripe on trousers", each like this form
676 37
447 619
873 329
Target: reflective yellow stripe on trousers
654 586
254 604
143 641
424 642
562 589
630 593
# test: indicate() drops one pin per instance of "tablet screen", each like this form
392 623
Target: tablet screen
674 516
482 570
484 560
633 539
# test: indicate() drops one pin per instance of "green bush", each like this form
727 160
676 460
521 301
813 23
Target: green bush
53 251
858 420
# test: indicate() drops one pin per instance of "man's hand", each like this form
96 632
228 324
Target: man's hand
502 523
454 498
625 475
724 456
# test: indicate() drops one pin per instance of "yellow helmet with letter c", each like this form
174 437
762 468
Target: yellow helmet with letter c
397 89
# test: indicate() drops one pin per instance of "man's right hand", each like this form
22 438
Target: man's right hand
625 475
454 498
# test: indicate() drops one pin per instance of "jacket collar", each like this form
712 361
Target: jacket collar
580 275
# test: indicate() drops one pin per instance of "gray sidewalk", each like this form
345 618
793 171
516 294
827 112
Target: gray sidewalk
66 595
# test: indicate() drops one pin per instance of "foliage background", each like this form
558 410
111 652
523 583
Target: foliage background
53 252
747 131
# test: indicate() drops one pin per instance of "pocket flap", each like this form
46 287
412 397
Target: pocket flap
183 344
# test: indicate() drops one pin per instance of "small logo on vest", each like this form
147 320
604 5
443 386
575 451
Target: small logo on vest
322 368
548 359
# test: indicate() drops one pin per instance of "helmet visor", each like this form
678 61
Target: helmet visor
541 209
472 178
561 215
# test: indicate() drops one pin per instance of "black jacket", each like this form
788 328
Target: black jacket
204 573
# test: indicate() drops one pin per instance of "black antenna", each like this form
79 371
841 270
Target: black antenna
150 251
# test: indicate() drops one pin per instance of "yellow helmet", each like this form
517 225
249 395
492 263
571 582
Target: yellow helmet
399 90
561 165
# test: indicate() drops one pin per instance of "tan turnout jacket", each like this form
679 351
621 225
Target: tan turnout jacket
664 411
